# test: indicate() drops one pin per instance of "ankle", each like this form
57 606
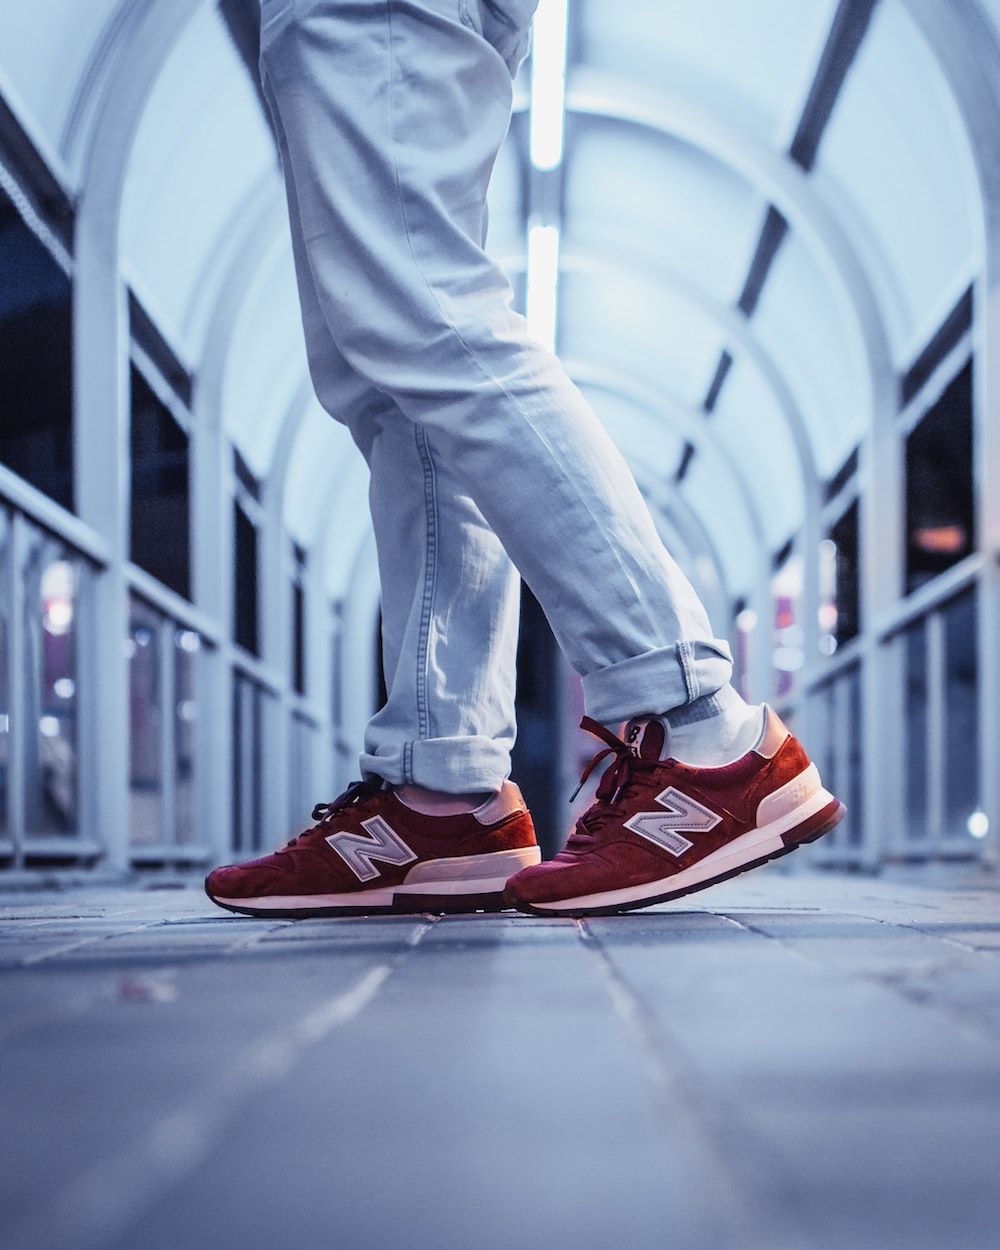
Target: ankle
715 729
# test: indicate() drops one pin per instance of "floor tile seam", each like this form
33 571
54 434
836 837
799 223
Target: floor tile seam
945 939
973 1025
138 1175
248 941
32 961
939 966
707 1121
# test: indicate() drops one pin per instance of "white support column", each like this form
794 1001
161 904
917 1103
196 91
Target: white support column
100 399
101 467
964 41
13 589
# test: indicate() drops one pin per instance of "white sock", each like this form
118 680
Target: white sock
708 733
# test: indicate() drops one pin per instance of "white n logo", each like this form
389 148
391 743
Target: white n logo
664 828
357 851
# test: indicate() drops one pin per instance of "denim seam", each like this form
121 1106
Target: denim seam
449 324
685 656
430 578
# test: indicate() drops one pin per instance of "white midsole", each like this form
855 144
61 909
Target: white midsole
759 842
507 862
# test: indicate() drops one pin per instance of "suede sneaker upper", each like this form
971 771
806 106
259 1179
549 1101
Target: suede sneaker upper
659 828
369 851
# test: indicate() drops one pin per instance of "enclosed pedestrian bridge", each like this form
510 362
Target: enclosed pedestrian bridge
762 236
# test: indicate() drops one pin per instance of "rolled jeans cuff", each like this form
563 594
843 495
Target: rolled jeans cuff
452 765
657 681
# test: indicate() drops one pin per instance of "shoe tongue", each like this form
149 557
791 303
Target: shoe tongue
646 736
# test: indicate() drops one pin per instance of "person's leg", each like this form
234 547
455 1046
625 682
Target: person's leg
448 722
450 599
393 112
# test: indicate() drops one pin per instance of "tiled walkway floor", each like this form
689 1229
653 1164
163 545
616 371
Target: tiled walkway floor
802 1061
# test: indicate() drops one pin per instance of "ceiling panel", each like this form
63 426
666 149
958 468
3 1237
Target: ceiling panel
626 189
201 146
895 164
754 60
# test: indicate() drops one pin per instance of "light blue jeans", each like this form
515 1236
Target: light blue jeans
485 459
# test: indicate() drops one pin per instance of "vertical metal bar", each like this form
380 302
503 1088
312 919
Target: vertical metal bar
167 699
937 730
893 659
16 653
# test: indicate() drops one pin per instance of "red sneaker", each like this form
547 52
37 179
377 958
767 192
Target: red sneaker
660 829
370 853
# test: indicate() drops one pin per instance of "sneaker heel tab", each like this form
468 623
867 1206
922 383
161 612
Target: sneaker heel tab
506 802
773 736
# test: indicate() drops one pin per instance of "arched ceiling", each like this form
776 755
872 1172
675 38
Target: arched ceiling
667 242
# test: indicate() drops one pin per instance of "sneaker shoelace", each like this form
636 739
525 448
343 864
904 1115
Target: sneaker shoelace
616 782
358 794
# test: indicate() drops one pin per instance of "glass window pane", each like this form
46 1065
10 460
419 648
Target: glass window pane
749 421
841 612
854 789
801 322
46 69
51 581
247 832
751 62
201 145
299 637
627 189
36 403
187 646
961 737
300 800
788 654
642 331
896 164
940 505
159 540
245 573
914 643
823 749
5 555
145 725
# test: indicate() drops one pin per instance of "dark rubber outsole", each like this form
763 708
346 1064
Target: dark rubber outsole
403 905
809 831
